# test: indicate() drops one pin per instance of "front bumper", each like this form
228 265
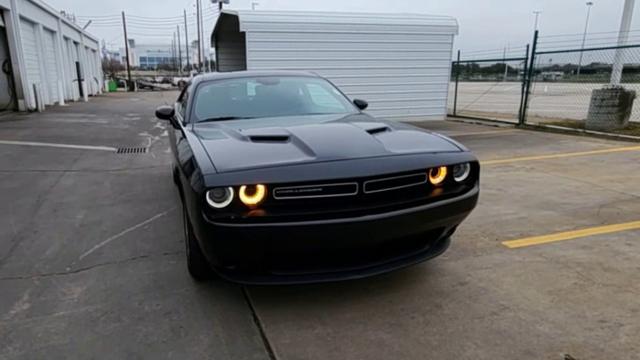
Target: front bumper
331 250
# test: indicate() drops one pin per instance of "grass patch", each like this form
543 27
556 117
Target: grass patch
632 129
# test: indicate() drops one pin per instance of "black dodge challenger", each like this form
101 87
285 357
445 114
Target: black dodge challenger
284 180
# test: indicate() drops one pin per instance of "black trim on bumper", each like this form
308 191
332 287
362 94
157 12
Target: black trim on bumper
331 250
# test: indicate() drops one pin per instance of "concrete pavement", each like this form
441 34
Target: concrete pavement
130 298
92 263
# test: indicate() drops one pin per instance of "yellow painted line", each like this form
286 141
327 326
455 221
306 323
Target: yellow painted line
568 235
491 132
561 155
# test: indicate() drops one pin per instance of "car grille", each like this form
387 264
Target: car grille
346 198
342 189
315 191
394 183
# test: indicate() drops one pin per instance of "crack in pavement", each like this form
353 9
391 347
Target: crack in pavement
40 201
258 322
124 232
86 268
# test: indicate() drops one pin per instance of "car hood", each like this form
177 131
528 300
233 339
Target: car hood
265 142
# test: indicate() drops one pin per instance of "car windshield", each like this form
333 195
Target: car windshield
269 96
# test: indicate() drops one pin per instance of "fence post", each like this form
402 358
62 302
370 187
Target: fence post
455 93
524 84
532 59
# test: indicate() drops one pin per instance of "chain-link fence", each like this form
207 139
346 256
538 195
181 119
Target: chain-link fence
490 88
553 84
563 80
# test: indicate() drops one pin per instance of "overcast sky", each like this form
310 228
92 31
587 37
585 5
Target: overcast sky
484 24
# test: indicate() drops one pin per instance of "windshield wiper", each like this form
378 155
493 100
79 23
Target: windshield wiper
222 118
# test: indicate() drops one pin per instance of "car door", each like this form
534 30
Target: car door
183 155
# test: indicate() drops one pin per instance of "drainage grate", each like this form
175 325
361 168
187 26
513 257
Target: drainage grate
132 150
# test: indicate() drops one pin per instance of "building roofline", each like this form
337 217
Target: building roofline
51 10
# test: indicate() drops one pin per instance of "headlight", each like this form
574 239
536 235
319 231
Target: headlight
252 195
437 175
461 172
220 197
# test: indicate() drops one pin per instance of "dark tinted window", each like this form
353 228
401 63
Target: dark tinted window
268 97
182 102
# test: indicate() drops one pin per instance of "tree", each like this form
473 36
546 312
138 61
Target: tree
111 67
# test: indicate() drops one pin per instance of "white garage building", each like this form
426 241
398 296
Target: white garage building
52 59
400 63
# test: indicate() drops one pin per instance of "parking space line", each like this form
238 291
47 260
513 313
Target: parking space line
561 155
568 235
64 146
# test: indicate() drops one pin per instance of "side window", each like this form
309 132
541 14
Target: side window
321 96
182 103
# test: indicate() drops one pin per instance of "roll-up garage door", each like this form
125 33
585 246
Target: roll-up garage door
31 55
51 65
72 50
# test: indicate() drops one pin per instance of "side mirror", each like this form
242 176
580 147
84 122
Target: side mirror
165 112
360 104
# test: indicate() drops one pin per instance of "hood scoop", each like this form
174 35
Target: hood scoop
268 135
373 128
269 138
378 130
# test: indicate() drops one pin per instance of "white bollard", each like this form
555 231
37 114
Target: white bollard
60 94
85 91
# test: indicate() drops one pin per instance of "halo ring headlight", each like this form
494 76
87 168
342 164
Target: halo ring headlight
461 172
252 198
219 198
437 175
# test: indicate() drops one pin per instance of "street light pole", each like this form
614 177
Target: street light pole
584 37
506 66
623 36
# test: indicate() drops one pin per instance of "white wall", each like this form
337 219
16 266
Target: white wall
400 63
44 49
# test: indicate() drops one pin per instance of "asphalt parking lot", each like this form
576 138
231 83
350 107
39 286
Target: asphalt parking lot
92 263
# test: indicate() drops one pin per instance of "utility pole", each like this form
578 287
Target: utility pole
199 39
205 47
174 50
126 49
537 12
623 36
186 41
584 37
179 51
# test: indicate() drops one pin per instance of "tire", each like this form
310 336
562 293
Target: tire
175 175
198 266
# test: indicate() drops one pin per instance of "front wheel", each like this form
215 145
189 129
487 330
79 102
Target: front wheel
196 262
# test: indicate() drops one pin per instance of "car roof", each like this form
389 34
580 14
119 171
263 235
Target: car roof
249 73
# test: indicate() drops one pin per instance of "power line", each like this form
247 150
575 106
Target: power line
591 33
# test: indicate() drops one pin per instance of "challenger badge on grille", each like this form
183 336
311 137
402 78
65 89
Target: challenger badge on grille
315 191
